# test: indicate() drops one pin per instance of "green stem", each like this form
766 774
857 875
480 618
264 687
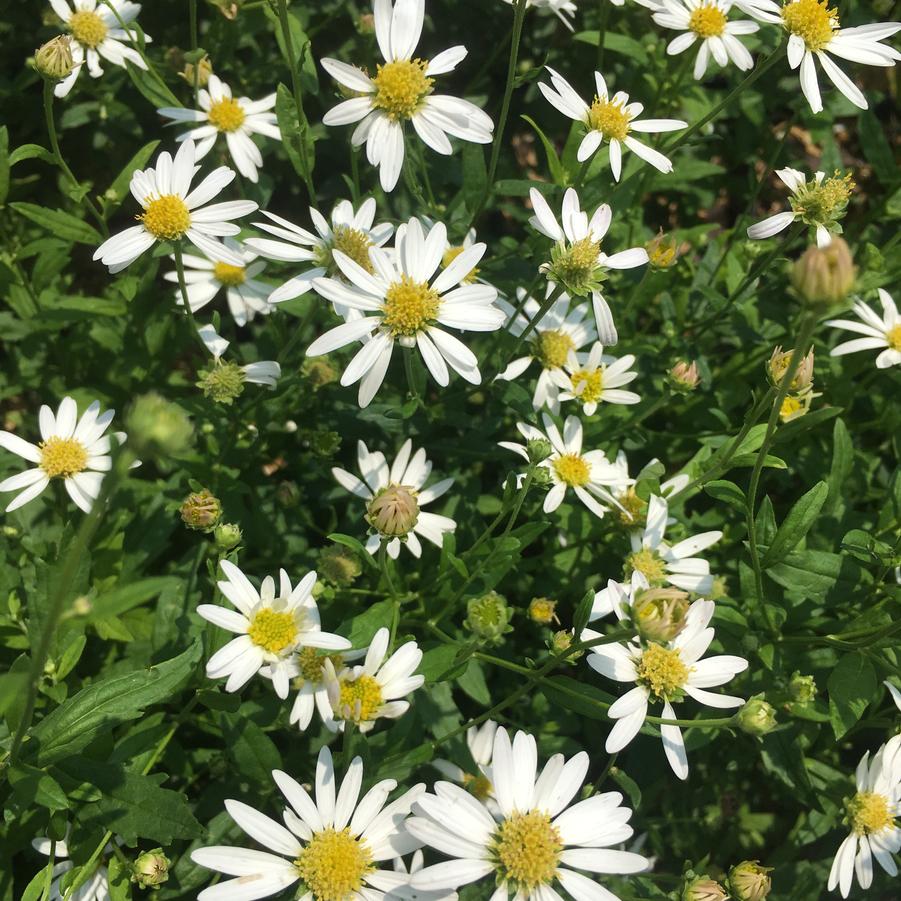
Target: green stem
602 30
385 567
192 16
183 288
411 377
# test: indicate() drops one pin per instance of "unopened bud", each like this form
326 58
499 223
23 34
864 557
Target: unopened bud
757 717
366 24
542 477
541 611
201 510
824 276
204 70
319 372
488 617
54 59
227 535
778 367
802 689
223 382
325 443
659 613
151 869
750 881
684 377
662 251
157 427
703 888
560 642
339 565
538 449
393 511
794 406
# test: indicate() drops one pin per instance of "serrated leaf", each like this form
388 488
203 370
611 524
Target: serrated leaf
851 686
34 786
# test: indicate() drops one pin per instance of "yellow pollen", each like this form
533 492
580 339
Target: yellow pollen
63 456
818 204
166 218
353 243
812 21
893 336
662 671
409 306
226 114
572 470
478 786
273 631
869 813
228 275
334 864
649 563
310 663
552 348
361 699
790 407
528 849
88 28
593 382
707 21
450 255
635 507
609 118
401 86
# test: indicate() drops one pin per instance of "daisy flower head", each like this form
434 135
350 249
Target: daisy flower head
373 689
872 815
236 118
882 333
334 845
577 261
819 203
172 211
270 628
611 119
404 302
596 378
395 497
97 33
96 888
590 475
403 90
352 232
480 743
540 837
224 381
564 10
72 448
635 508
565 327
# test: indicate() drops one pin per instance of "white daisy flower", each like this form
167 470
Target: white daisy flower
480 742
818 203
871 814
96 888
706 21
402 90
333 846
73 449
395 498
894 692
172 211
880 333
611 119
564 10
417 861
96 34
270 628
563 328
236 118
372 690
542 838
408 303
350 232
635 508
665 672
591 476
596 378
577 261
205 278
225 381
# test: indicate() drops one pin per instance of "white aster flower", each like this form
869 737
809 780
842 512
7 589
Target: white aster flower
871 814
542 838
577 261
236 118
270 628
96 33
590 475
880 333
408 303
564 10
225 381
402 90
611 119
172 211
395 497
635 508
664 672
73 449
596 378
706 21
480 742
350 232
333 845
373 690
417 861
96 888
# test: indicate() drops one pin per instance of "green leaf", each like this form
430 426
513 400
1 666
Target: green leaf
842 461
5 164
118 190
61 224
876 148
252 750
852 685
119 880
439 662
472 683
354 545
34 786
360 629
553 160
31 152
582 613
580 697
475 175
293 138
627 784
728 492
617 43
796 525
128 596
159 95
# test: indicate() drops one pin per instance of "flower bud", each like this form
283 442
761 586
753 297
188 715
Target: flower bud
393 511
157 427
223 382
201 510
560 642
541 611
339 565
634 508
227 535
662 251
802 689
54 59
366 24
542 477
151 869
659 613
204 70
757 717
750 881
488 617
703 888
824 276
794 406
778 366
538 449
324 443
319 372
684 377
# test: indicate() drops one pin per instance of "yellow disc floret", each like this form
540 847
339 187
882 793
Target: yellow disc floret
409 306
649 563
893 336
228 275
820 204
354 244
869 813
360 699
88 28
334 864
226 114
273 631
552 348
63 456
588 385
310 663
707 21
635 507
167 218
401 86
527 848
572 470
662 671
450 255
609 118
812 21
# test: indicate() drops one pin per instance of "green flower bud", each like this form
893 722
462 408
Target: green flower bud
659 613
541 611
324 443
824 276
703 888
757 717
319 372
201 510
663 251
488 617
151 869
560 642
538 449
157 427
227 535
339 565
542 477
393 511
204 70
54 59
684 377
749 881
802 689
223 382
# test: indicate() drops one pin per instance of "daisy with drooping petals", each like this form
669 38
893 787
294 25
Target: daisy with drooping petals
73 449
577 261
611 119
96 888
395 498
594 378
872 815
172 211
97 33
224 382
373 689
541 839
882 334
270 628
480 742
590 475
408 303
333 845
236 118
402 90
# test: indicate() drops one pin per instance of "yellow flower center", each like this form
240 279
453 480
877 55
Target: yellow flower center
662 671
478 786
588 385
823 203
166 218
310 662
409 306
63 456
450 255
609 118
353 243
334 864
226 114
552 348
635 507
812 21
401 86
649 563
893 336
88 28
272 631
707 21
572 470
229 275
527 848
361 699
869 812
790 408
